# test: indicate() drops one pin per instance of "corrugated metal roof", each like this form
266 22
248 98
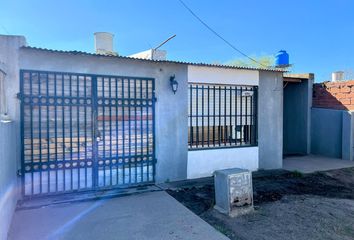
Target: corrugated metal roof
157 61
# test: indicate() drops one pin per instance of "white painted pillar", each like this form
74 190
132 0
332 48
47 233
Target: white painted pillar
4 118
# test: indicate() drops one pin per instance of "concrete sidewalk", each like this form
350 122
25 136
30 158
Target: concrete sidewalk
153 215
314 163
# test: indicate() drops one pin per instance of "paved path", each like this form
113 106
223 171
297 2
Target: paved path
153 215
313 163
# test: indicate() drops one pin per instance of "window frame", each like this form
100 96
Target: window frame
240 96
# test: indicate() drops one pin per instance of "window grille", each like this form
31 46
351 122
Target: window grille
222 116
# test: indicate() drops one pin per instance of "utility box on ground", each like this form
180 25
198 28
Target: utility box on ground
233 191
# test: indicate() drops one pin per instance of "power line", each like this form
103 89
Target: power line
219 36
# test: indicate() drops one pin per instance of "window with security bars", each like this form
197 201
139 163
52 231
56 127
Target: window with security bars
222 116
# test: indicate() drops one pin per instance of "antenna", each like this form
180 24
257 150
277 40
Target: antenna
168 39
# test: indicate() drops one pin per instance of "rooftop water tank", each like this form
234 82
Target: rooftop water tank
337 76
104 43
282 59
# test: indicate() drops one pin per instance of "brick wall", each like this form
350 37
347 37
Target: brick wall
334 95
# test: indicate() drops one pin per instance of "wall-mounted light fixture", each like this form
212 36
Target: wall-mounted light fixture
174 84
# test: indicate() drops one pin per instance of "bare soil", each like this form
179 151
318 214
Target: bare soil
288 205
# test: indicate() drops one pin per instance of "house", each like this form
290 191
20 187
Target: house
332 118
93 121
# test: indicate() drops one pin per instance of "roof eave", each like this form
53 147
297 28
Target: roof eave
154 61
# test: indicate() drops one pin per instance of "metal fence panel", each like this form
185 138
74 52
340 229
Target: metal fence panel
85 132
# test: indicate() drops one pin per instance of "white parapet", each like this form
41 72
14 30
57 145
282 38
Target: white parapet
151 54
203 163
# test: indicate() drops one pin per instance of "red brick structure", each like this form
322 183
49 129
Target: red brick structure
334 95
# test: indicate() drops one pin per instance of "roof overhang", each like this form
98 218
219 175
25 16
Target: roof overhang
154 61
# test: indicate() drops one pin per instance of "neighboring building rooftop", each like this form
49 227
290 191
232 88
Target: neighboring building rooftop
298 77
157 61
334 95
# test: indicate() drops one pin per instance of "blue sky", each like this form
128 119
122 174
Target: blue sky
318 34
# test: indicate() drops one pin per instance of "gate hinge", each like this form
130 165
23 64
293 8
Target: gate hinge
19 96
19 172
155 99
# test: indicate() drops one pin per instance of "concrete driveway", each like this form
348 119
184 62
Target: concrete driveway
152 215
314 163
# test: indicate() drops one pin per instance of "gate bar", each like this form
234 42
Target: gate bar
95 133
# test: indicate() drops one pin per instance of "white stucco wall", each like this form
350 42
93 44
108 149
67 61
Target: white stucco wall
203 163
10 148
215 75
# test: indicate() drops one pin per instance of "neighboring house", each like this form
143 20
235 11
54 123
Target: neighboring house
318 117
332 119
338 95
87 121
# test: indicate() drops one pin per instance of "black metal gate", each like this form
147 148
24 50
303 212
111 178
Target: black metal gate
85 132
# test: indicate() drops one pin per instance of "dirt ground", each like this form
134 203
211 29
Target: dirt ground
288 205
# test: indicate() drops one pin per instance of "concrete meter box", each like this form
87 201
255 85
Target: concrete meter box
233 191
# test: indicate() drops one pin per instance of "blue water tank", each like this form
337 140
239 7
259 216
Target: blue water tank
282 59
